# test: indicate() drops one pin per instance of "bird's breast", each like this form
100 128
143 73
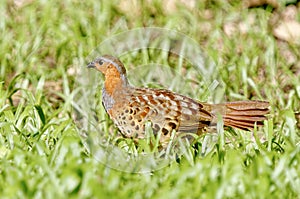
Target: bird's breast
107 100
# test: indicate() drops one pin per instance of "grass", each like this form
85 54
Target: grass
44 151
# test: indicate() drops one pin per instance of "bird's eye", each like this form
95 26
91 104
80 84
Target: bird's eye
100 62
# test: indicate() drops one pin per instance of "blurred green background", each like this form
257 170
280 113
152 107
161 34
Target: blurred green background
43 45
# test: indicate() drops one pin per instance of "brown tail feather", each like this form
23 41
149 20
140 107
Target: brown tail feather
244 114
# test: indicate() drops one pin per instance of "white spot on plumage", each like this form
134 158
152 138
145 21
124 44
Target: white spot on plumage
194 106
186 111
162 95
173 103
184 104
137 99
145 97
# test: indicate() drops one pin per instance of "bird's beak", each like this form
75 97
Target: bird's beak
91 65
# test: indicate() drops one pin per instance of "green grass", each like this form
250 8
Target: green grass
44 152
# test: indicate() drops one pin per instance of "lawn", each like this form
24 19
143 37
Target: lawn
50 104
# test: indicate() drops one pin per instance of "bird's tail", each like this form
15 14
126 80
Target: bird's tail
243 114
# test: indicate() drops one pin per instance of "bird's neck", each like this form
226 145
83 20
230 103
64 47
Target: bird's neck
115 83
115 86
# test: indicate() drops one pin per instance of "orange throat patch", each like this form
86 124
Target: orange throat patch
112 82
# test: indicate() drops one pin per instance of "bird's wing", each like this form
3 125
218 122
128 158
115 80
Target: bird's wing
167 108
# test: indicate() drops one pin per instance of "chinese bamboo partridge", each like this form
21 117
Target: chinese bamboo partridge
130 108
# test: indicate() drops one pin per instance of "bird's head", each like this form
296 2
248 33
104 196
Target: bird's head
113 70
108 66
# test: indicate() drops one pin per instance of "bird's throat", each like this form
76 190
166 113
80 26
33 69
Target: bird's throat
111 85
115 86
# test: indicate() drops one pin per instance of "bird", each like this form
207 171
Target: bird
130 108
